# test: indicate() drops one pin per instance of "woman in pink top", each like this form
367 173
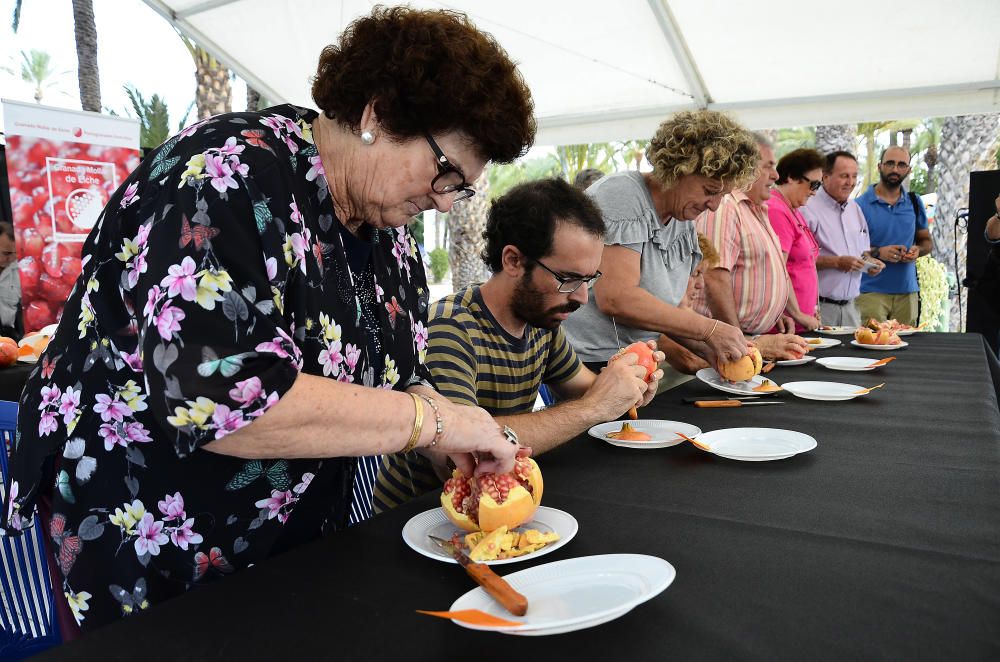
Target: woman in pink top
799 177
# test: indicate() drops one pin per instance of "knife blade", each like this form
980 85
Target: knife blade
734 403
632 413
691 401
495 585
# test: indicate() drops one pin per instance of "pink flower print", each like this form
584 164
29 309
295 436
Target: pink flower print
331 358
275 124
151 536
315 169
47 424
152 298
299 249
109 431
241 169
296 215
172 507
277 345
271 266
50 396
274 504
272 400
191 129
12 498
111 409
353 353
137 432
246 391
220 173
180 278
420 336
168 322
304 485
69 404
231 147
142 236
227 420
134 361
136 267
130 195
183 536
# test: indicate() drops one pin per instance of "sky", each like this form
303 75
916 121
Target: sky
134 45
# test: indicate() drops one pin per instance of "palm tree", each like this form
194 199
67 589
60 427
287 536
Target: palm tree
254 100
466 223
154 118
85 29
37 71
967 143
214 92
925 147
837 137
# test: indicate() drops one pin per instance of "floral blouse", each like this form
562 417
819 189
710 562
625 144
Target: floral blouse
216 274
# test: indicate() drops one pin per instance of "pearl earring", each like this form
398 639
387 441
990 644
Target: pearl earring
367 137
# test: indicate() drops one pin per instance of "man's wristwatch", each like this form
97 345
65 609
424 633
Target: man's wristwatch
510 434
874 252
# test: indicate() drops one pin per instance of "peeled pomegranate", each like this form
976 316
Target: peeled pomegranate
489 501
744 368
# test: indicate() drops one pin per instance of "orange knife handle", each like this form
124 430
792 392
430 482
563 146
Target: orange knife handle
718 403
633 414
498 588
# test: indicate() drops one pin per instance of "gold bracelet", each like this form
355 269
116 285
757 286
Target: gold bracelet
714 326
418 423
439 422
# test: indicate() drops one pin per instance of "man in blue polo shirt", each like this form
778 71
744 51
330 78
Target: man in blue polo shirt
897 227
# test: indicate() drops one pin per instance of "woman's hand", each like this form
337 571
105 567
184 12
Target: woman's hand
726 342
781 346
472 438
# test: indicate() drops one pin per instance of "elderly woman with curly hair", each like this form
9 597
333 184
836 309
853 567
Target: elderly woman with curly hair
251 319
651 247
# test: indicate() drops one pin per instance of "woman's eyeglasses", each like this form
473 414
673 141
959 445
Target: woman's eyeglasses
449 178
814 184
569 284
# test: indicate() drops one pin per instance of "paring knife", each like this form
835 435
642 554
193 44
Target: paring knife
691 401
632 413
491 582
734 403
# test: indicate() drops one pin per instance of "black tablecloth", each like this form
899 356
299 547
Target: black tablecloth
12 381
882 543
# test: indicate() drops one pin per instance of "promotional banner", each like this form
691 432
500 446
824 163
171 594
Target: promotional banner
63 166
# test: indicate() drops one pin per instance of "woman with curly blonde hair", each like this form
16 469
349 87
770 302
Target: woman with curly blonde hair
651 247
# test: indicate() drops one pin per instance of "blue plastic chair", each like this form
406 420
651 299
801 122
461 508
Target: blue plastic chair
28 623
546 395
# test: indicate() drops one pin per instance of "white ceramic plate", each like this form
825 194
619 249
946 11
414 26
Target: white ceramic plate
663 433
884 348
824 343
712 378
847 363
435 523
576 593
824 390
907 332
27 359
837 331
803 360
756 444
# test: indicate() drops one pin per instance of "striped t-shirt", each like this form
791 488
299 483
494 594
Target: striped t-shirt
474 361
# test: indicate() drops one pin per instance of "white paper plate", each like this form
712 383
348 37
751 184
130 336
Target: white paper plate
756 444
805 359
663 433
27 359
712 378
575 594
907 332
831 391
824 343
435 523
884 348
849 363
837 331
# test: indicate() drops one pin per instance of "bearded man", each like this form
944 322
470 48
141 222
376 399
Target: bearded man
493 345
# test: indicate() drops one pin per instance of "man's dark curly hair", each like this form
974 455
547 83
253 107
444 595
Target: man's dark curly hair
427 71
527 216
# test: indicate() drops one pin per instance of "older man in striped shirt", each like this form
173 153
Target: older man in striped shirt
750 287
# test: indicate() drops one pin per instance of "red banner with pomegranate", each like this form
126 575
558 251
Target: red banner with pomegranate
62 166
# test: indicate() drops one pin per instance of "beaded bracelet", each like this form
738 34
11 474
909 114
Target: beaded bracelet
439 422
418 424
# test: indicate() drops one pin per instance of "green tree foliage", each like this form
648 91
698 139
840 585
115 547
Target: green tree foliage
153 116
439 264
36 70
794 138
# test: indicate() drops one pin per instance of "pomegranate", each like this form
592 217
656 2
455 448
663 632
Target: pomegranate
8 351
489 501
645 355
867 336
744 368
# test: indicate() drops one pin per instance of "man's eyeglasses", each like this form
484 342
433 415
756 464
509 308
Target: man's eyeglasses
449 178
569 284
814 184
892 165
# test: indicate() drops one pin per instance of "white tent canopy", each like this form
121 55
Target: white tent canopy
605 70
